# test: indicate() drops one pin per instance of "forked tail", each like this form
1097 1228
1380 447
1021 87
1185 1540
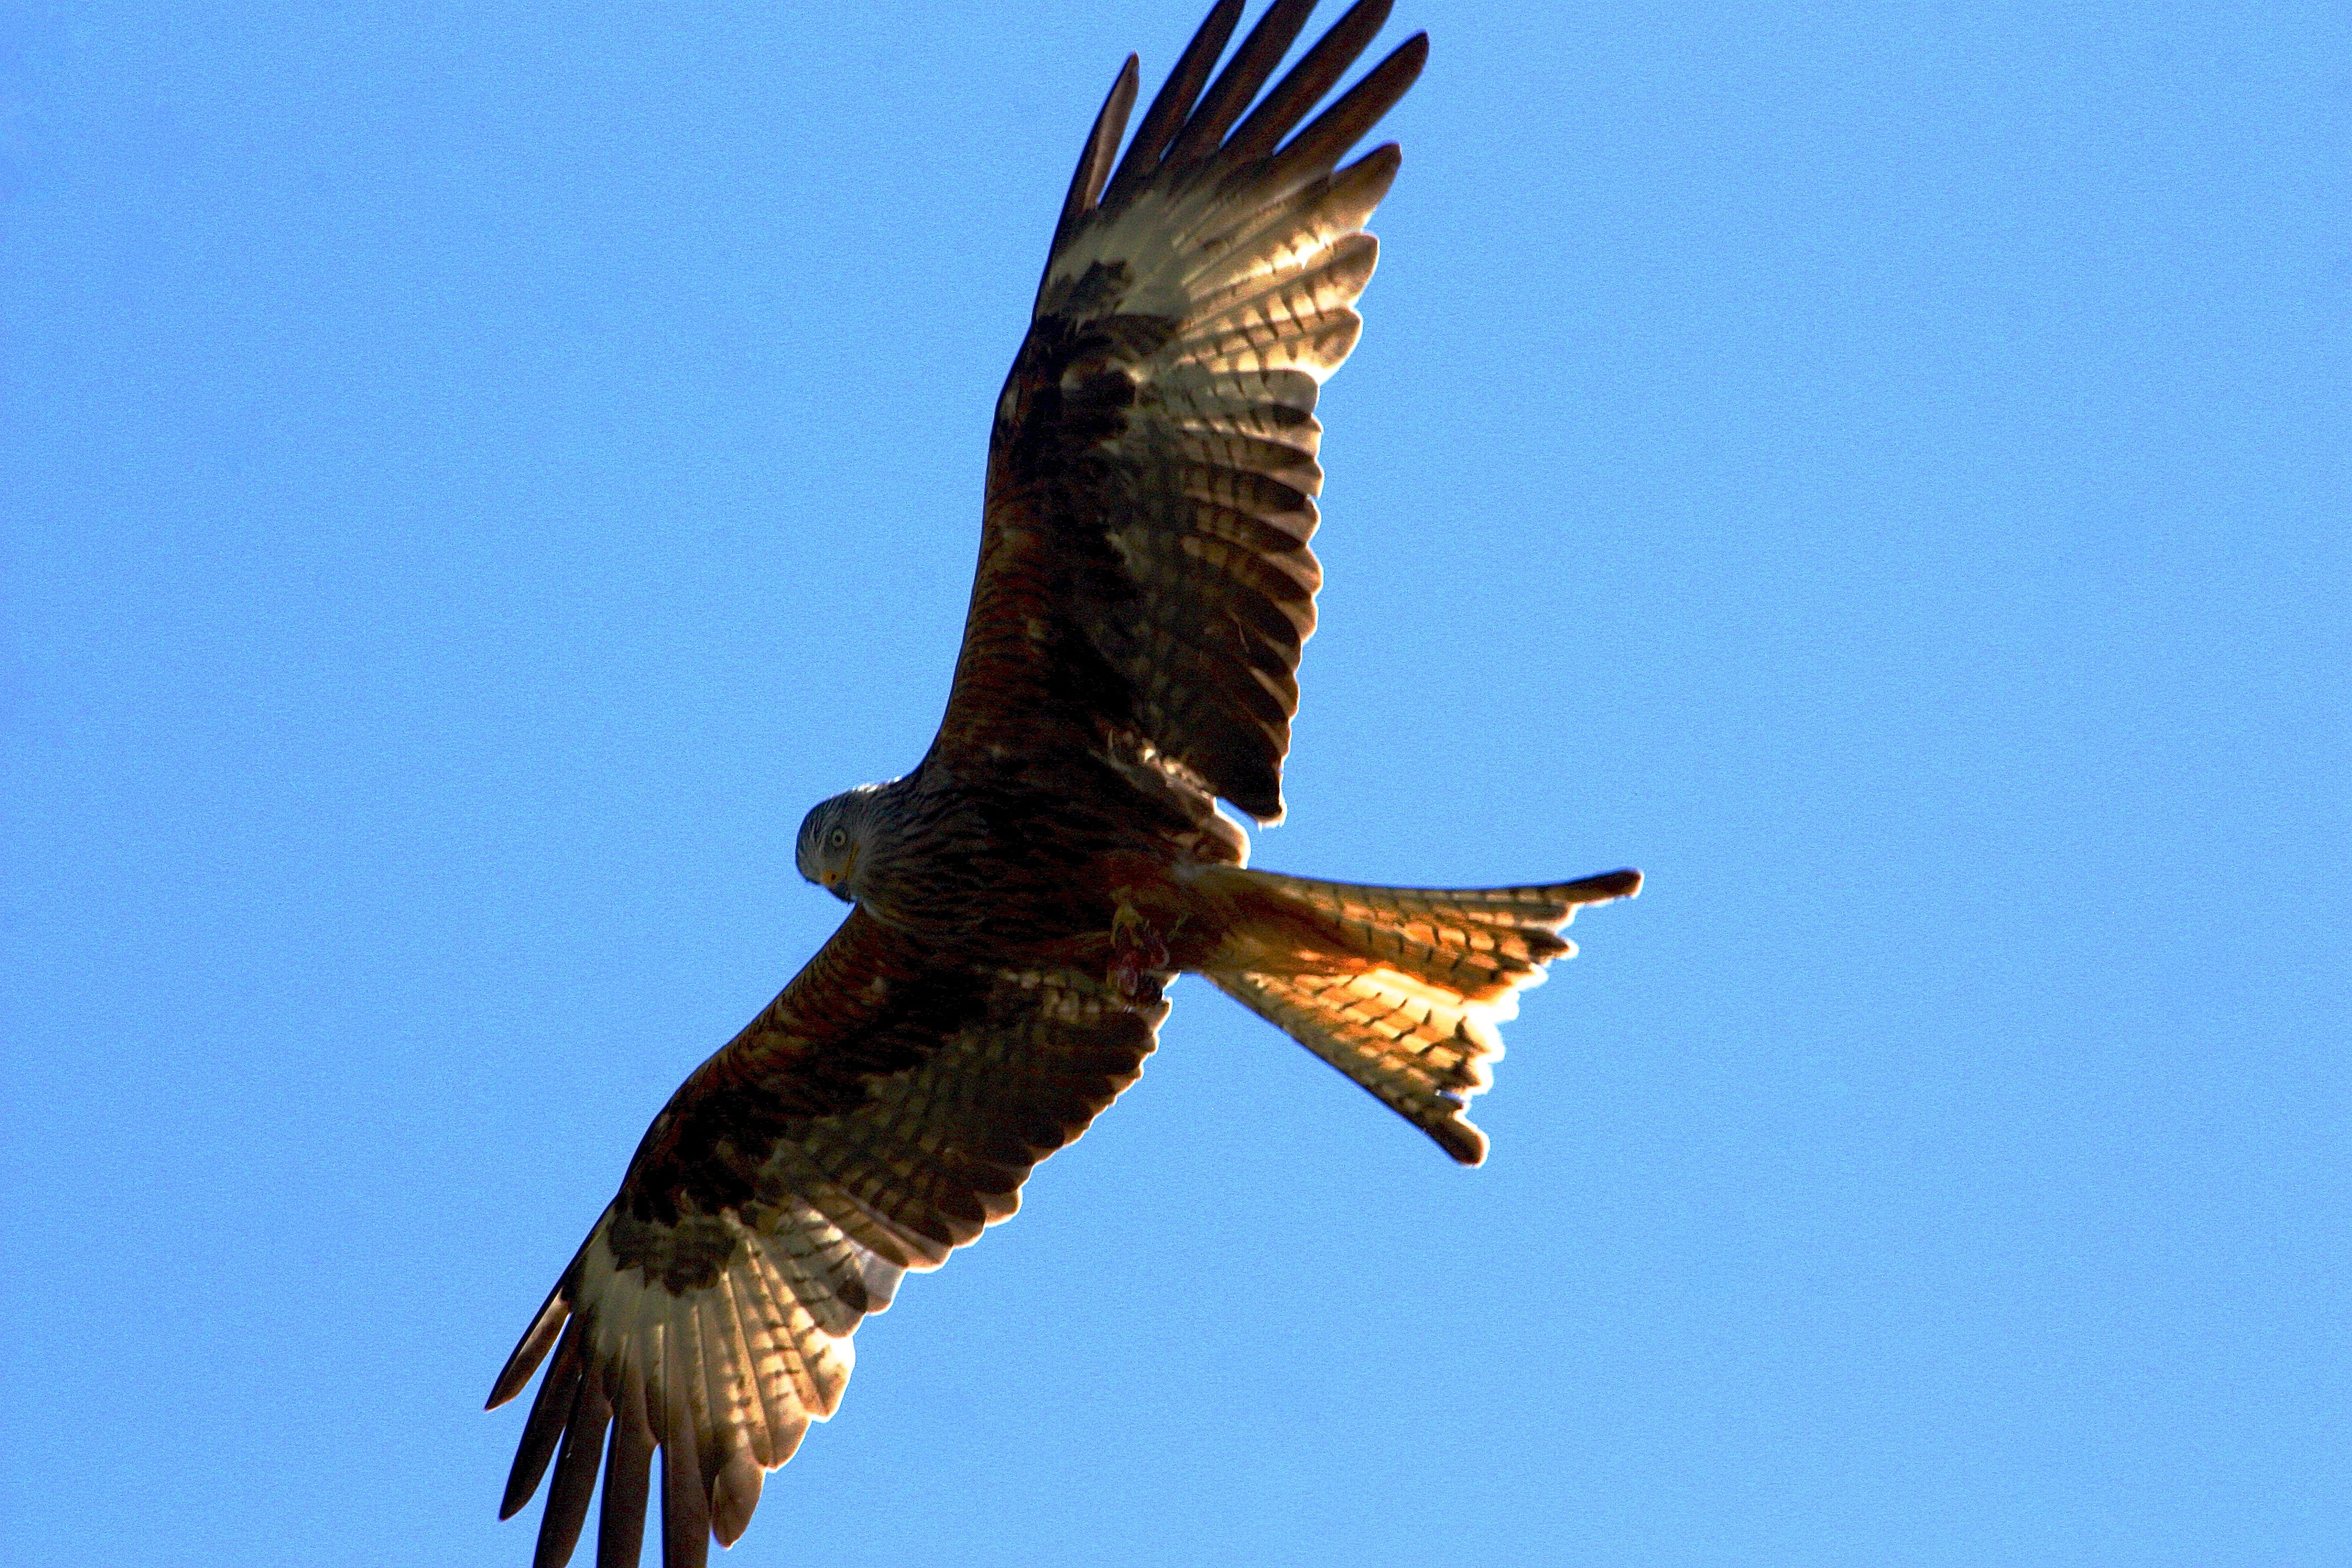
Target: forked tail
1401 988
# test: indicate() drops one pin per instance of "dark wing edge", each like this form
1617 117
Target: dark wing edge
878 1115
1145 567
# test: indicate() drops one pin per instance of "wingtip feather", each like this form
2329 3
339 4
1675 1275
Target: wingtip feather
537 1340
733 1497
549 1415
1174 103
1328 136
1087 182
1624 884
574 1484
1278 28
628 1466
1281 109
1463 1142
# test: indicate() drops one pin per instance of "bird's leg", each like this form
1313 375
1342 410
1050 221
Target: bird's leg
1138 953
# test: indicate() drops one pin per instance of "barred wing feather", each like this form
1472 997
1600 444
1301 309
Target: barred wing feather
1145 566
878 1115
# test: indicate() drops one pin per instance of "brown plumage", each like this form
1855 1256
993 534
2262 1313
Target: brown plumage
1131 654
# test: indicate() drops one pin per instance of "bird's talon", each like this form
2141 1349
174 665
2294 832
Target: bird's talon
1138 955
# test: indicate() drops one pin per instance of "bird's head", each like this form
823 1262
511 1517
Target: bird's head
832 837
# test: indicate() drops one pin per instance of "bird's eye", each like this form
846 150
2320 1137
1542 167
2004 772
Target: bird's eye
837 838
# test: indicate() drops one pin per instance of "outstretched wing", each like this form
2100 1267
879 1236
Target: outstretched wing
879 1114
1144 571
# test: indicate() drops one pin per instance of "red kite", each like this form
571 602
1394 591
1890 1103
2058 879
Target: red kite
1021 899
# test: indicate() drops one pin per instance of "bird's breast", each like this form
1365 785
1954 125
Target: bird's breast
995 865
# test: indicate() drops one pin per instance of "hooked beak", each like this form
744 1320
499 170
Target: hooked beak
837 883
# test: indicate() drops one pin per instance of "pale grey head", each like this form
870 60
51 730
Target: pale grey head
834 836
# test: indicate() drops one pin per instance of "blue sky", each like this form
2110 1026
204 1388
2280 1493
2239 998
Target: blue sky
474 474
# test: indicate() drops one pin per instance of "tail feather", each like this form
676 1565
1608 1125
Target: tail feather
1407 1006
1421 1059
1478 942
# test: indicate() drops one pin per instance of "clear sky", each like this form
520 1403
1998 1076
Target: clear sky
474 474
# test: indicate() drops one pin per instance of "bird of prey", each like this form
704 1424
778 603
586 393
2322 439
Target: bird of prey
1020 900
